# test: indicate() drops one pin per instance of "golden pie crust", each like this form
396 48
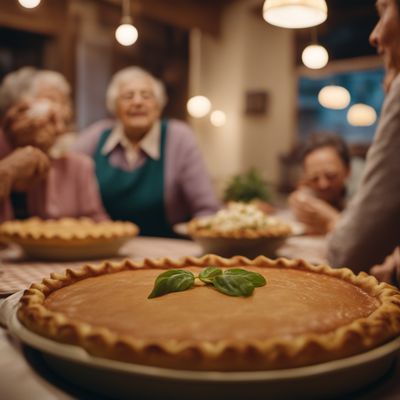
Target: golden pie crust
304 315
65 231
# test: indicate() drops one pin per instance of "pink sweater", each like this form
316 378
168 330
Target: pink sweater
69 190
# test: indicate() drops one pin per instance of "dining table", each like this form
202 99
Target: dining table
23 370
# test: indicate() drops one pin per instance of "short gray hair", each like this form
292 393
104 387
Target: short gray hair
14 86
50 78
27 81
125 75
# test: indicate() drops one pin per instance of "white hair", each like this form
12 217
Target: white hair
27 82
124 76
49 78
15 86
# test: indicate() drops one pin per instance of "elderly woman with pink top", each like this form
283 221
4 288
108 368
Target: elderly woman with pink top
34 181
149 170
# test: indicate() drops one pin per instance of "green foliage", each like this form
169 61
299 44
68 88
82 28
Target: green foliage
232 282
247 187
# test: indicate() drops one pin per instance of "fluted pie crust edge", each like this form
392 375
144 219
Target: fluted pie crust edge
363 334
280 230
35 230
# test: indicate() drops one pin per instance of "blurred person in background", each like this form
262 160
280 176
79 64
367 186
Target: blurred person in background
321 195
36 181
149 169
370 227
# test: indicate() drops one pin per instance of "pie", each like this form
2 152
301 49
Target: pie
239 221
304 315
68 237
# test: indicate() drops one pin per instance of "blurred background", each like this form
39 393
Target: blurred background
254 74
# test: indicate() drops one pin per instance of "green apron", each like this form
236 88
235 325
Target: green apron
138 195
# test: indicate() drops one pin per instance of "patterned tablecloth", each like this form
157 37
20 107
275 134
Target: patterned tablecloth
17 273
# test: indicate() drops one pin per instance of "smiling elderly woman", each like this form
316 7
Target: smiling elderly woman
150 170
370 227
34 181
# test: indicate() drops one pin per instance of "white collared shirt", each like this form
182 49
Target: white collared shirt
150 143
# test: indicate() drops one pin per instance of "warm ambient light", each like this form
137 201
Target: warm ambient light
218 118
315 56
198 106
361 115
29 3
126 34
295 13
335 97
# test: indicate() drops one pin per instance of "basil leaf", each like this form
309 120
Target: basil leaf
256 279
174 280
208 274
233 285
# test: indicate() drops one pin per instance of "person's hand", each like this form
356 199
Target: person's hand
33 122
23 167
389 271
318 216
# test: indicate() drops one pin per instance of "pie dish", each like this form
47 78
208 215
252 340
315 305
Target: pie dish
68 238
239 229
304 315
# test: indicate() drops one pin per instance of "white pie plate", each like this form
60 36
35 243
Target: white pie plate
121 380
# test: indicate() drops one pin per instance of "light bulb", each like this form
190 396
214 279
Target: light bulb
335 97
198 106
295 13
315 56
218 118
361 115
29 3
126 34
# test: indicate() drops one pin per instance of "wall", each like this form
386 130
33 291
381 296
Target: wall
249 55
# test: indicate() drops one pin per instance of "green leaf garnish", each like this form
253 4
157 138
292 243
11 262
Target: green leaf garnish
233 285
207 275
174 280
256 279
232 282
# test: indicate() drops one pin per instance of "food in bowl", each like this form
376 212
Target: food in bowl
239 229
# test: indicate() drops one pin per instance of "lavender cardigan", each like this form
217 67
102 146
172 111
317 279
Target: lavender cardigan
188 189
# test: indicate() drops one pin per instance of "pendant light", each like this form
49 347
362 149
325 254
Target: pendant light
218 118
29 3
315 56
126 34
334 97
360 114
295 13
197 106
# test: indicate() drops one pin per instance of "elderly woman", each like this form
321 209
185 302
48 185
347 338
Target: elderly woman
321 196
370 227
149 169
35 182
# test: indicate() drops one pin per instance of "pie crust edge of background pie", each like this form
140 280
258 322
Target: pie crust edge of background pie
22 232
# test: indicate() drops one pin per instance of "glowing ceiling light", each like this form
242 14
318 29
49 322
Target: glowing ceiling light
198 106
126 34
29 3
361 115
335 97
218 118
295 13
315 56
